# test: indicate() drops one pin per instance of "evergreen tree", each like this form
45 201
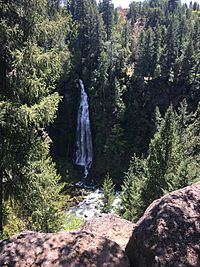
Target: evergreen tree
108 194
188 63
196 44
167 164
135 178
196 6
145 66
163 159
107 105
31 63
189 138
134 11
114 152
173 5
42 200
88 45
172 163
170 51
155 17
106 8
156 52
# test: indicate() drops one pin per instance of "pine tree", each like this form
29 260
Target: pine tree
163 159
134 11
88 45
42 200
108 194
173 5
135 178
170 50
32 61
106 8
114 151
172 161
156 52
169 167
196 44
145 67
188 123
188 62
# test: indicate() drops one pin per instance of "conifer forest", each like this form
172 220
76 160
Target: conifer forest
102 95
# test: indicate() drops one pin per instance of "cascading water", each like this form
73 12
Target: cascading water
83 133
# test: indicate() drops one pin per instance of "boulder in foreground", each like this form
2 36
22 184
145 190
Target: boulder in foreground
112 227
69 249
168 234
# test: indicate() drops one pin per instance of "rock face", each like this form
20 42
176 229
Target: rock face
69 249
112 227
168 234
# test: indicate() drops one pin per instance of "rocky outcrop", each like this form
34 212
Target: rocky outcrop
112 227
168 234
69 249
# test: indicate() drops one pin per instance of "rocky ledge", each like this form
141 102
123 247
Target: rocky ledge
112 227
71 249
168 234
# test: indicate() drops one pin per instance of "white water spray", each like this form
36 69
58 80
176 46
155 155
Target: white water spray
83 133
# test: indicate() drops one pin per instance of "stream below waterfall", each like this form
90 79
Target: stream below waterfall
91 205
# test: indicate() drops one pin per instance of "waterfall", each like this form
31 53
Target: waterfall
83 133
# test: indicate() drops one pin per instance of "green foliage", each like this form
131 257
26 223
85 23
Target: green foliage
146 54
114 151
87 47
134 181
32 59
190 137
108 194
12 224
106 8
164 159
43 206
130 61
72 222
172 162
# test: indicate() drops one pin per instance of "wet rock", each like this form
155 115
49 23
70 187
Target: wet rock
168 234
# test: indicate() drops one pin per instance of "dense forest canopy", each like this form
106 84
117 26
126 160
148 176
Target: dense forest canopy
141 70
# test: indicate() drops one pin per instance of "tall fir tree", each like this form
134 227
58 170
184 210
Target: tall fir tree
146 65
106 8
134 181
169 168
163 159
170 51
32 55
108 189
88 45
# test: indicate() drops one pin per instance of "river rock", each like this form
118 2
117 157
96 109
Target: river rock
168 234
110 226
69 249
